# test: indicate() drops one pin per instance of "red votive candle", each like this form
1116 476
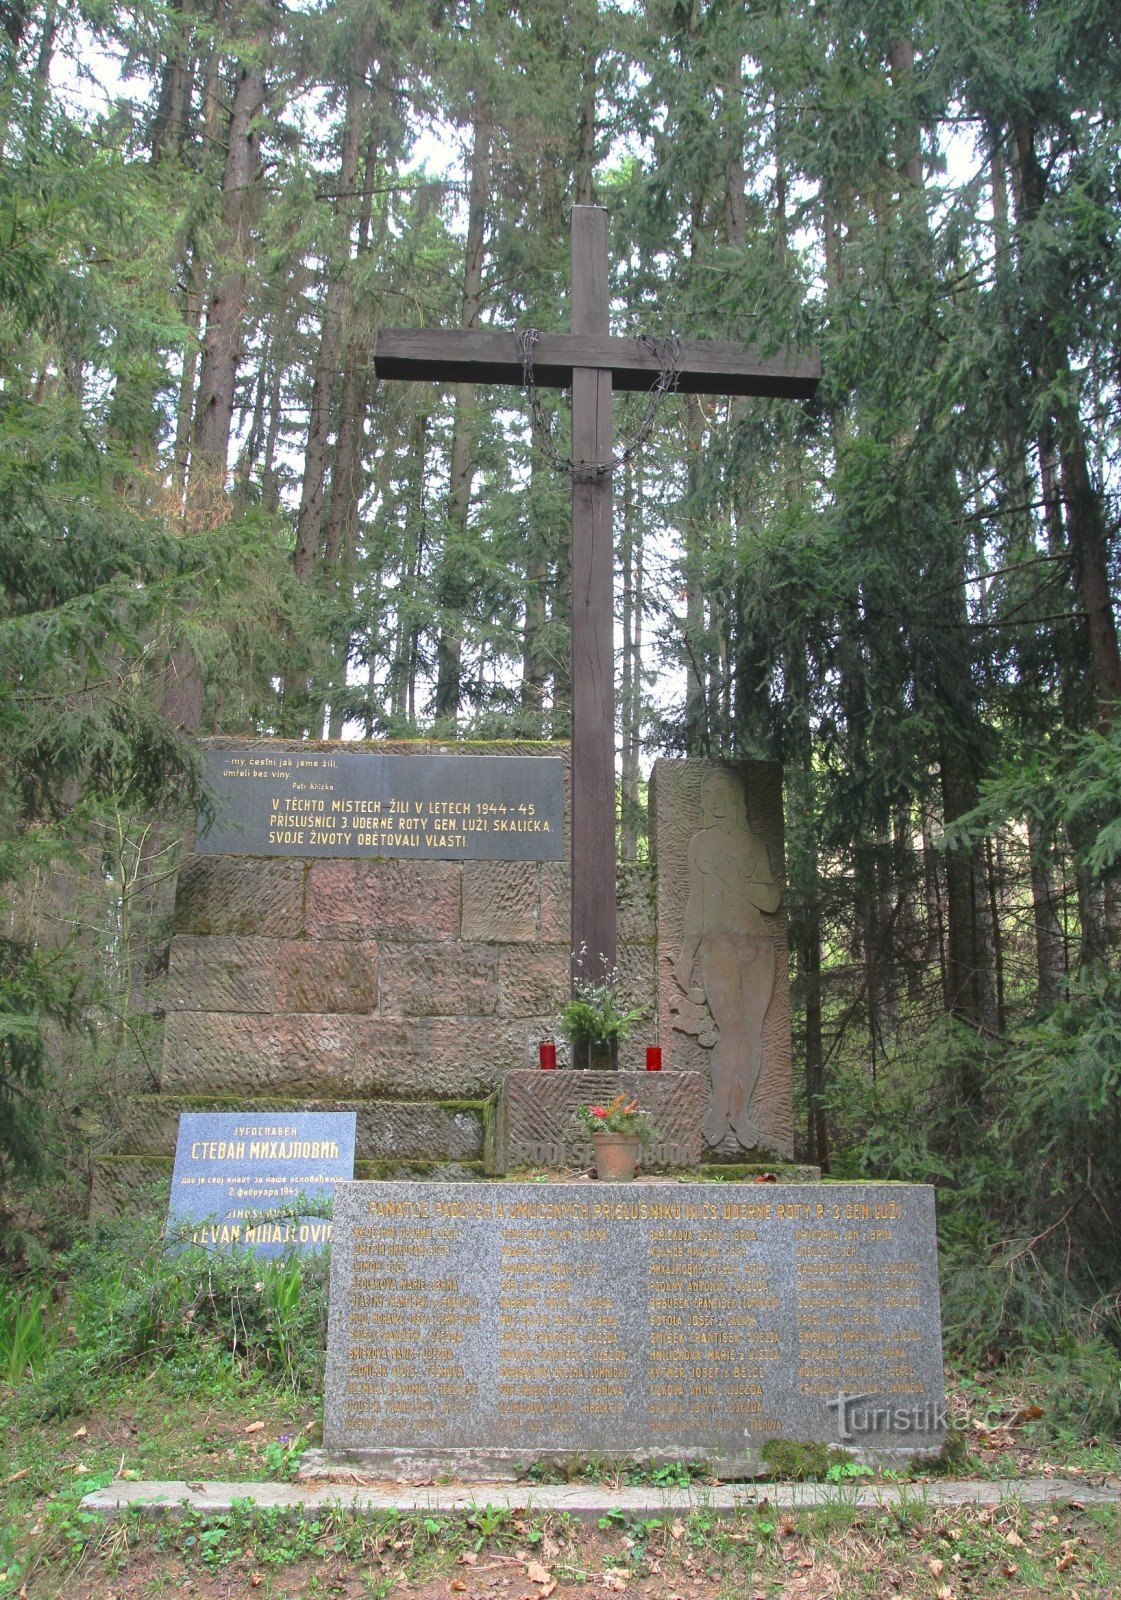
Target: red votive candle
548 1053
653 1058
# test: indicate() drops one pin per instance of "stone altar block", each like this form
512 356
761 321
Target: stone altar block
479 1329
536 1123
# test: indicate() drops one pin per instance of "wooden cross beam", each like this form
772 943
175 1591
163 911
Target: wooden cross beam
594 364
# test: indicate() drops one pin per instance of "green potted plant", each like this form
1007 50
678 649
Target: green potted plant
619 1132
593 1022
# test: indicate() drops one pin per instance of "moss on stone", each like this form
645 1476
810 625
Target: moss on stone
791 1461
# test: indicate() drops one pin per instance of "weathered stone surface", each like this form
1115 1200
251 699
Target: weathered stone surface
385 1129
438 980
718 846
221 974
384 899
499 900
555 920
536 1119
232 1166
533 980
239 895
461 1056
365 800
220 1053
130 1186
636 902
675 1321
327 975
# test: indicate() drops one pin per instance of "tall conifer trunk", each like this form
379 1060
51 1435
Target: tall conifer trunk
222 343
453 589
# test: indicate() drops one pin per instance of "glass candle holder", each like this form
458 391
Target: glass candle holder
653 1058
547 1051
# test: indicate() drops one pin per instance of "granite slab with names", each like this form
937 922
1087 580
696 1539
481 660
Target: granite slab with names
233 1168
481 1329
341 803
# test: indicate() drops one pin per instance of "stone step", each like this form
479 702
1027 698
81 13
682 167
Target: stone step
138 1185
386 1130
587 1502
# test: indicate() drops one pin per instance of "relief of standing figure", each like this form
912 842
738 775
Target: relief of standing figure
731 895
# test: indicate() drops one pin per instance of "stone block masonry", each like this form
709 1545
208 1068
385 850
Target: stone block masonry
405 988
394 977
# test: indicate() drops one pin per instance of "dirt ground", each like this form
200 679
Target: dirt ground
911 1553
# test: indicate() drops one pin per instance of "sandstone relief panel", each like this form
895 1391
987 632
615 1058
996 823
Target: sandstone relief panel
723 991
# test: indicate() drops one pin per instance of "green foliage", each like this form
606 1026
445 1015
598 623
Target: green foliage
1028 1176
790 1461
596 1013
201 1317
28 1332
618 1116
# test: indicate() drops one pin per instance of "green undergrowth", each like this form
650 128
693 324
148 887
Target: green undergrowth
117 1305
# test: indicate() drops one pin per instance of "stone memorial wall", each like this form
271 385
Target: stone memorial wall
322 961
480 1328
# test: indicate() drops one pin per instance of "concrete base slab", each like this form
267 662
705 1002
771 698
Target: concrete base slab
586 1502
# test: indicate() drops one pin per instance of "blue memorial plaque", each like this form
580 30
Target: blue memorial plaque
234 1170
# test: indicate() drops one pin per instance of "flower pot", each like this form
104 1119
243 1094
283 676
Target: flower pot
616 1155
595 1055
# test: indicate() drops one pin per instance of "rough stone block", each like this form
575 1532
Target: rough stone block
555 922
536 1119
130 1186
215 1053
410 1131
221 974
240 895
383 899
533 980
433 1056
327 975
500 900
438 980
635 898
386 1129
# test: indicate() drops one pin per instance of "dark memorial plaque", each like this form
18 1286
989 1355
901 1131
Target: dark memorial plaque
476 1329
233 1168
342 803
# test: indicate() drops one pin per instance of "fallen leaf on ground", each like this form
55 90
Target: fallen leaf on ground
458 1583
254 1427
936 1567
1013 1538
787 1527
82 1433
536 1573
467 1558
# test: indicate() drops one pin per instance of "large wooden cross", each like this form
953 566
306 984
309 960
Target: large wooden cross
594 364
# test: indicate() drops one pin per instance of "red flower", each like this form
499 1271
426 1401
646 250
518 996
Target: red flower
598 1111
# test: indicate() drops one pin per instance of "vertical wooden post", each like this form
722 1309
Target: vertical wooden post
593 614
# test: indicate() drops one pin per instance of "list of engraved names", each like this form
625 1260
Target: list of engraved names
610 1318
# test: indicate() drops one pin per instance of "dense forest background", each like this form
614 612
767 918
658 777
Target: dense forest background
214 519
